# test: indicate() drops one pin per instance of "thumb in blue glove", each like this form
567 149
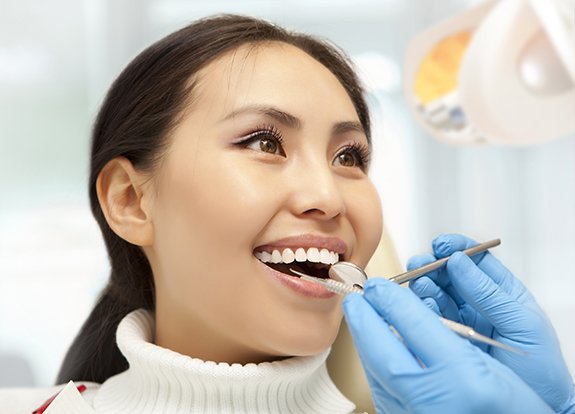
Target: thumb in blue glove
432 370
482 293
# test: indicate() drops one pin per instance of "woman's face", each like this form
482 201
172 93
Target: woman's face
268 158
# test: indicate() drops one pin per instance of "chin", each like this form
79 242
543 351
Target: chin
308 342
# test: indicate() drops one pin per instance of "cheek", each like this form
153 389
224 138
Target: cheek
364 210
207 218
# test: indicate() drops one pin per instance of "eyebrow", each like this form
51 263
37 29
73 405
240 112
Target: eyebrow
269 111
347 126
291 120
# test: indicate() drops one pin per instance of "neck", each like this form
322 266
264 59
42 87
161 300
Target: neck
213 346
161 380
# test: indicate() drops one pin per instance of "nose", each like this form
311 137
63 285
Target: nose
316 193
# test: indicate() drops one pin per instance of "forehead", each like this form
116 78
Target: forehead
271 72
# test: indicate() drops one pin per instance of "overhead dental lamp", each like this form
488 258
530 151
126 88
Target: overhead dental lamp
502 72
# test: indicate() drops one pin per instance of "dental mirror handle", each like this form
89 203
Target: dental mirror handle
465 331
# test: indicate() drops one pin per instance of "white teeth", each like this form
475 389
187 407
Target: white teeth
264 256
313 255
288 256
276 256
300 255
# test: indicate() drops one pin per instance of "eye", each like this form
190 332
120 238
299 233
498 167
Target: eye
268 139
354 155
346 159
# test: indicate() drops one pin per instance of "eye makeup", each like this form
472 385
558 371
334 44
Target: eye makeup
269 137
359 152
262 131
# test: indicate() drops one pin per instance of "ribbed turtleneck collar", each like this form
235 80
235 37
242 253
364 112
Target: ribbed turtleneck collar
163 381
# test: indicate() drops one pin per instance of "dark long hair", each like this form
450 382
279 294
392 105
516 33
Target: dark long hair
140 110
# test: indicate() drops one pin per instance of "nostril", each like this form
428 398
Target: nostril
324 214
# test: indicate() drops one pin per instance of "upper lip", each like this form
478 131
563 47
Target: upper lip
334 244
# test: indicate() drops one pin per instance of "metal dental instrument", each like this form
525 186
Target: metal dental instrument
462 330
348 273
420 271
352 274
347 277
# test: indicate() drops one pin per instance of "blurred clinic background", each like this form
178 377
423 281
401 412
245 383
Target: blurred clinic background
57 59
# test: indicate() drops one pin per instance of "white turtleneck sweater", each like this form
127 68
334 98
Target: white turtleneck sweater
159 380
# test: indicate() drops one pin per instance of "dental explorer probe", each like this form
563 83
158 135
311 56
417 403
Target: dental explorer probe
465 331
430 267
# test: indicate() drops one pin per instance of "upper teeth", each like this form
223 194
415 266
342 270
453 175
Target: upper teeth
312 254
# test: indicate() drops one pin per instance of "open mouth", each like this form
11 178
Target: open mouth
312 269
313 262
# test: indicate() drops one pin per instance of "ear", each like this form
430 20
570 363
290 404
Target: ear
125 198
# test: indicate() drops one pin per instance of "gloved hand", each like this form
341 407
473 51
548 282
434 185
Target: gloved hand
457 378
482 293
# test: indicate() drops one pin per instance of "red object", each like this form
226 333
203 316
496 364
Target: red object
45 406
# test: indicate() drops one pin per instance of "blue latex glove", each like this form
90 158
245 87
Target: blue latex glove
457 378
482 293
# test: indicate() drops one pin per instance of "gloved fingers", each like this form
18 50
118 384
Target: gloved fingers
470 317
421 260
438 276
424 287
484 295
432 304
421 329
493 268
441 303
446 244
384 401
382 353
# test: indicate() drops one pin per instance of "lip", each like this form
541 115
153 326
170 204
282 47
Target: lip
300 286
335 244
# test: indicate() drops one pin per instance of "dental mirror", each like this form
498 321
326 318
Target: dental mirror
348 273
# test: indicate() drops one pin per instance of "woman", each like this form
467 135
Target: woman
222 155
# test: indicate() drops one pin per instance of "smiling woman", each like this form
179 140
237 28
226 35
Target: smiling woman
233 185
221 154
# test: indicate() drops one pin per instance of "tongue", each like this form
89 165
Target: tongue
311 269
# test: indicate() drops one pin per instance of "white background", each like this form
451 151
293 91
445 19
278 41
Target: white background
57 58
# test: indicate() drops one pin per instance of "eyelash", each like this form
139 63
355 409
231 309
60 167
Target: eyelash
361 151
260 132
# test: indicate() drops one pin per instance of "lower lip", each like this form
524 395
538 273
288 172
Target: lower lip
303 287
